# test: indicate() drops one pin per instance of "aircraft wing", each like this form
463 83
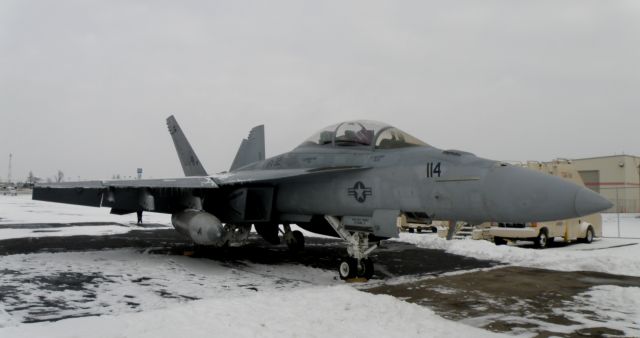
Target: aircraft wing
125 196
164 195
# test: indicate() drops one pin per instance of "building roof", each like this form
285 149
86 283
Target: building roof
608 156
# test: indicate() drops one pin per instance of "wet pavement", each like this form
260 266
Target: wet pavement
513 299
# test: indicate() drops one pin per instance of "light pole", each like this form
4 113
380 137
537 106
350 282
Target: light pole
9 174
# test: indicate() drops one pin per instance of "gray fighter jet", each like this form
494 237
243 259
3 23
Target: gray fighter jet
350 180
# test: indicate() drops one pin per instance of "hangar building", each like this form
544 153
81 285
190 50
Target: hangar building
615 177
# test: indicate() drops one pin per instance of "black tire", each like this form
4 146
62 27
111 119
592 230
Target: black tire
499 241
411 230
542 240
588 237
298 241
269 232
550 241
366 268
434 230
419 230
348 268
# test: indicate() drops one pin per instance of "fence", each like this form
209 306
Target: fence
623 219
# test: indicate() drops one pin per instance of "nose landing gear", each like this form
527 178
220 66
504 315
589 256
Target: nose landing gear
358 264
351 268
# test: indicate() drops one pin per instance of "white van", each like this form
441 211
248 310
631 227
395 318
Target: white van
542 234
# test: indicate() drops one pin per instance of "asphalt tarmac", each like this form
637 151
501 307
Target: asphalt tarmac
514 299
481 293
393 259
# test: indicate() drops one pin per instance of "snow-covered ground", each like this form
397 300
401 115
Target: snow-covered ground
621 225
620 304
618 307
129 293
252 301
125 280
610 255
321 311
21 209
126 293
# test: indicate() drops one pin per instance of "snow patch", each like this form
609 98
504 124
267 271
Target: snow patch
98 230
621 225
22 209
339 311
612 258
73 284
617 307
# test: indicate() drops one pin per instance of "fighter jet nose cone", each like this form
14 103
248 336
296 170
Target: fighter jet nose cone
589 202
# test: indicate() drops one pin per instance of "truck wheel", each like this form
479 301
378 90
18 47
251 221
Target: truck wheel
411 230
542 240
434 230
419 230
588 237
499 241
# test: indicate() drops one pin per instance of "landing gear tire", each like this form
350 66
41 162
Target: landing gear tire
542 240
299 237
499 241
269 232
296 243
348 268
366 266
588 237
358 264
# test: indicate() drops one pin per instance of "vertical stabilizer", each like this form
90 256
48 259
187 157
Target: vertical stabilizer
251 149
190 162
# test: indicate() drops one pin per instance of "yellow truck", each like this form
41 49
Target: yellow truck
583 229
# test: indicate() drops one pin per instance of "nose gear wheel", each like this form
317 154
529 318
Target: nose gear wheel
358 264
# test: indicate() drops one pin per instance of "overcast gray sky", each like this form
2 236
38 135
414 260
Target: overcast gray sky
85 86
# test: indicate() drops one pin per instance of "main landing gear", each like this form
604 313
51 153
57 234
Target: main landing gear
294 239
358 264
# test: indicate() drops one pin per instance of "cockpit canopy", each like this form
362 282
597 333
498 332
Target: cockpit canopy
363 133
